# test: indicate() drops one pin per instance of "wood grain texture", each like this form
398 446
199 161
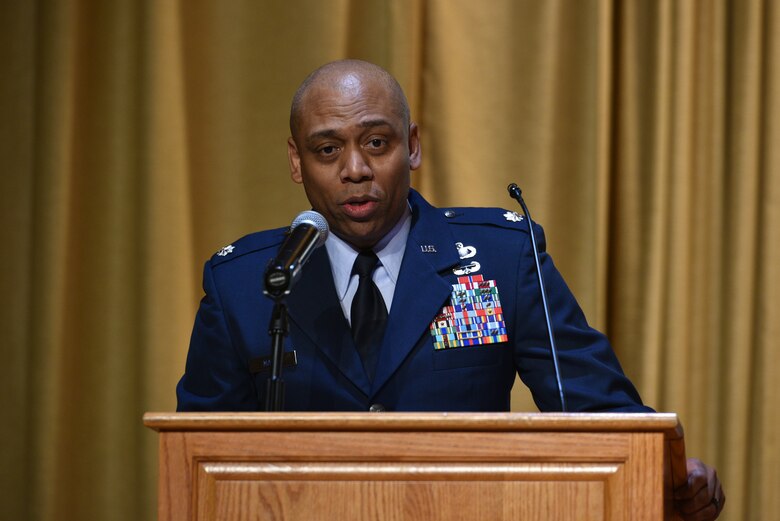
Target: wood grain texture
388 491
416 466
409 501
556 422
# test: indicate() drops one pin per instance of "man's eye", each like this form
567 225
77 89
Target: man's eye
376 142
328 150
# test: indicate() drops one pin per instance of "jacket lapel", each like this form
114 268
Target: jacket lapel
314 307
422 287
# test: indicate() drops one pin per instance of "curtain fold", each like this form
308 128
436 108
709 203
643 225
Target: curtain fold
140 137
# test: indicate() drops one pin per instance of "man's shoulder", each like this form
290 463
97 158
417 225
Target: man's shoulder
490 222
264 243
500 218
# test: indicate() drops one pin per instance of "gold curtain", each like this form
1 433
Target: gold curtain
138 137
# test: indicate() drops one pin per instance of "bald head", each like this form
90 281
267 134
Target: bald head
346 76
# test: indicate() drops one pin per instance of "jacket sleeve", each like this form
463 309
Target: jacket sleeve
217 376
592 378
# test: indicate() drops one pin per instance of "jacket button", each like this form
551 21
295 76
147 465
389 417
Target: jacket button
449 213
376 407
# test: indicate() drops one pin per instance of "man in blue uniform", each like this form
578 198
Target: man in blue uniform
454 306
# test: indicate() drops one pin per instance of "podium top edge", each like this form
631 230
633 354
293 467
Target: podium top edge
414 421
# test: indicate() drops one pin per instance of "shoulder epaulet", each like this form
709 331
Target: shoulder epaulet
258 241
491 216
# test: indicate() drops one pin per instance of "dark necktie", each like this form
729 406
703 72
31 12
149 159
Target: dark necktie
369 313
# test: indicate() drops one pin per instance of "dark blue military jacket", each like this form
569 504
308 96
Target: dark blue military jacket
224 370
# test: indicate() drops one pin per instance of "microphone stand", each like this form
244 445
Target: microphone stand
278 329
307 232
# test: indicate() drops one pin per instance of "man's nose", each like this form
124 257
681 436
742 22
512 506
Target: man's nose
356 168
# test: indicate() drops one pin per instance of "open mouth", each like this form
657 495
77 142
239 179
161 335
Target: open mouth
360 208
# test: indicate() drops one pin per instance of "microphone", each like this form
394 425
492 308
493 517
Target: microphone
307 231
517 194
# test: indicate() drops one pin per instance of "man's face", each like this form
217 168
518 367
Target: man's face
354 156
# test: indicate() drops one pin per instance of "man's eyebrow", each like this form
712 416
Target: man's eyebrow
331 133
375 123
326 133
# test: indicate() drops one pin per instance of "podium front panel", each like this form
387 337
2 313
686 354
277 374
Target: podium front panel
392 471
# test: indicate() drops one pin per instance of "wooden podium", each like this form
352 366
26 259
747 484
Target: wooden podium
417 466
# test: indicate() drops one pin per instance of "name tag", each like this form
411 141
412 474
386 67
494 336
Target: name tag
263 363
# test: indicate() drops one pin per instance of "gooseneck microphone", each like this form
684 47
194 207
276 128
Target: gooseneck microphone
307 231
517 194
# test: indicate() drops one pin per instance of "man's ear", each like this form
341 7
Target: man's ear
415 151
295 161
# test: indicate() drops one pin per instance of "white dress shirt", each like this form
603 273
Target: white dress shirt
390 251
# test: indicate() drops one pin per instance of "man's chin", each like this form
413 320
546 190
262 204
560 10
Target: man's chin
361 237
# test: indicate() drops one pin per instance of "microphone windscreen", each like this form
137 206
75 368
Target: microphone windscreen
315 219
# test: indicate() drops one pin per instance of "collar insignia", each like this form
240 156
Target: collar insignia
513 217
226 250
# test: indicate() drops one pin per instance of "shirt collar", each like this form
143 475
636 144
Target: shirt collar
390 250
